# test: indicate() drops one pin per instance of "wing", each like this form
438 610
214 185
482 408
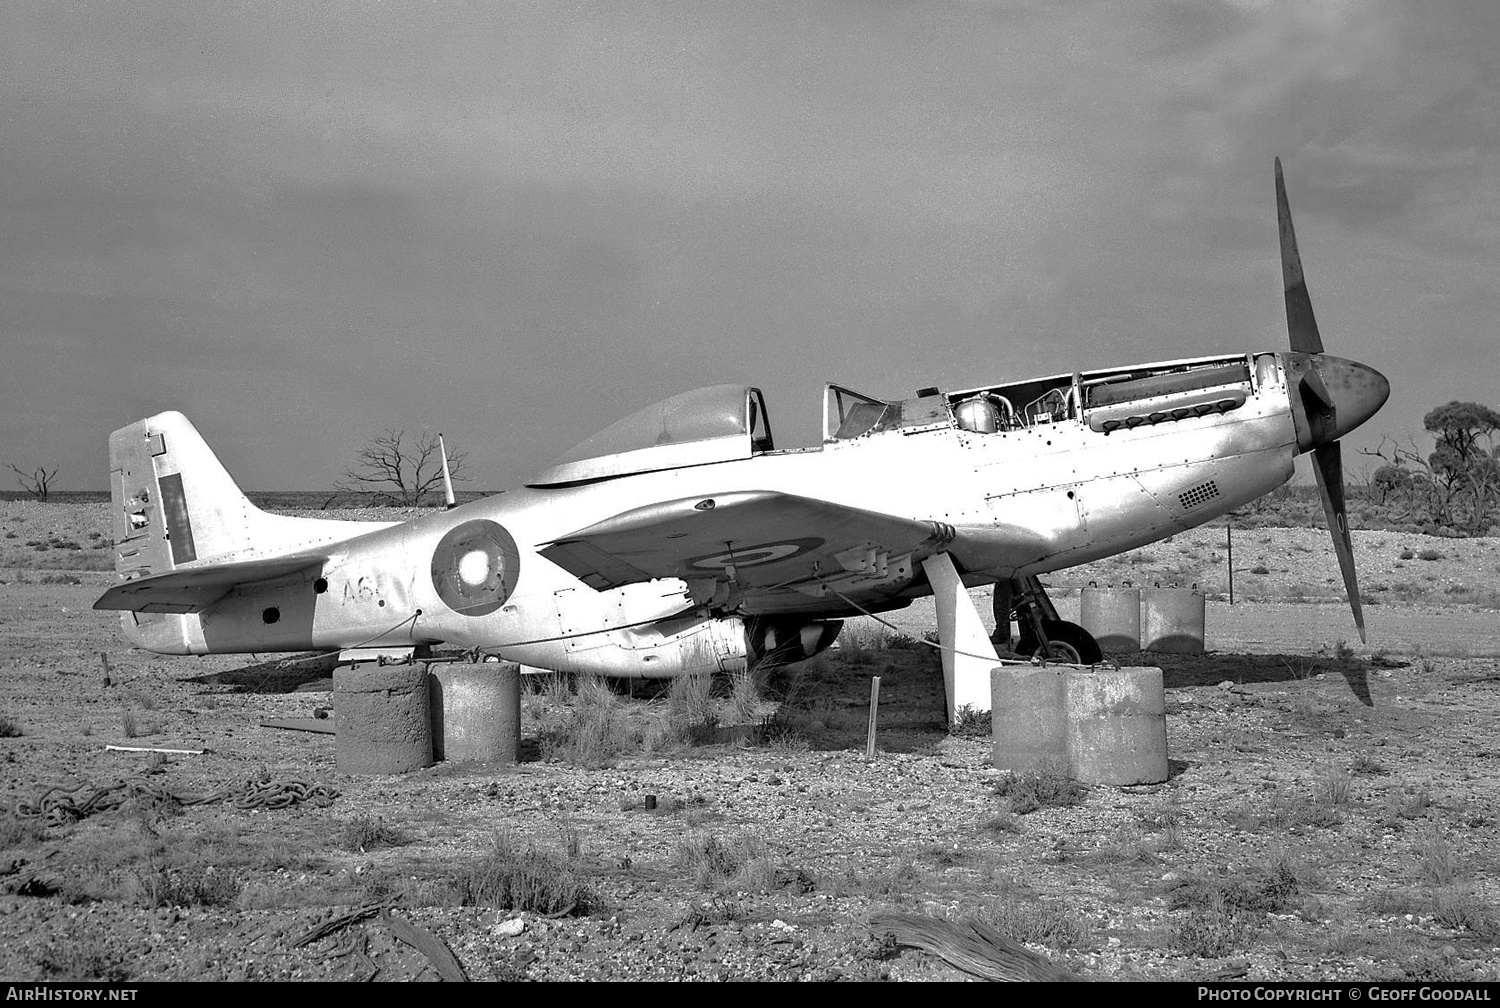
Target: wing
773 550
191 589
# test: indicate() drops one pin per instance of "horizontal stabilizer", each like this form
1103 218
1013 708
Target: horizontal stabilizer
189 590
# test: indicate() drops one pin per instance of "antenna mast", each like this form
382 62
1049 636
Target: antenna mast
447 476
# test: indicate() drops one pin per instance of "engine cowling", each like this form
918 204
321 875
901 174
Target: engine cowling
781 640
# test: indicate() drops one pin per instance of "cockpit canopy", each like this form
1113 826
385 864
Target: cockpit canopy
720 423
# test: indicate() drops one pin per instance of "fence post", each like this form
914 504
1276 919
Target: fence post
1229 542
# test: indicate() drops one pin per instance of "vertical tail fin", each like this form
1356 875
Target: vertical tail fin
173 502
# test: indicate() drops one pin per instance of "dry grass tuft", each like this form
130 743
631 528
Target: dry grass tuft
1036 922
1266 888
1284 814
1212 930
84 953
1334 786
367 833
1410 802
557 688
1167 824
1462 910
530 880
593 731
1127 846
745 700
862 644
1000 823
195 886
1046 785
691 713
969 722
740 864
714 863
900 877
1437 862
18 832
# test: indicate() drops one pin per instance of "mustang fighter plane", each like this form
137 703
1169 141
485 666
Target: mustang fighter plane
682 539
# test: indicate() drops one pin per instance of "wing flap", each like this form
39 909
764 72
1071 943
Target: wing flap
757 539
192 589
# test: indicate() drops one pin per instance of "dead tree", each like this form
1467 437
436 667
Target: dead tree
399 470
38 484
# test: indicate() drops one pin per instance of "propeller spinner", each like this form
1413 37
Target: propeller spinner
1330 397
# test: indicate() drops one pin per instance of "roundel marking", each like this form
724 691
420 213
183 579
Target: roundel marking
752 556
474 567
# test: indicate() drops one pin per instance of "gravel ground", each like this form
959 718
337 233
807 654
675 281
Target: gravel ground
1362 784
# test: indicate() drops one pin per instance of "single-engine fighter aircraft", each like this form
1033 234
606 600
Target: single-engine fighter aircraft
682 539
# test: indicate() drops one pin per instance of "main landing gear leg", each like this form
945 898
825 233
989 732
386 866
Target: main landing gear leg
1003 604
1042 631
968 655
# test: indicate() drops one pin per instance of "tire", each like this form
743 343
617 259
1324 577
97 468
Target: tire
1066 642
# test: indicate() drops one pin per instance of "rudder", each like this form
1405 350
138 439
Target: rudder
173 501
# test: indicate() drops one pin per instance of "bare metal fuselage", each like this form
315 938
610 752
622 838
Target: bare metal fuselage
1033 498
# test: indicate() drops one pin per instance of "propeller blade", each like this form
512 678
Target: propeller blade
1330 470
1300 323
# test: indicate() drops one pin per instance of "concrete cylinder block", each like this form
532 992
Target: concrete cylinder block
476 711
1028 712
384 724
1113 617
1173 620
1117 726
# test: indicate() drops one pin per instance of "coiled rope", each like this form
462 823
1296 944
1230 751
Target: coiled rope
60 804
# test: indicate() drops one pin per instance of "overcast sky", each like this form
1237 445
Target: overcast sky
515 223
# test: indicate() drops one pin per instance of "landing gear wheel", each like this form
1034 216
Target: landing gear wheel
1066 642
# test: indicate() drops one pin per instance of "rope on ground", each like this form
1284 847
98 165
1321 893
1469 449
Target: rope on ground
59 804
263 792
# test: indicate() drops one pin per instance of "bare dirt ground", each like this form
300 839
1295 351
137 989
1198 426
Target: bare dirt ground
1330 812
